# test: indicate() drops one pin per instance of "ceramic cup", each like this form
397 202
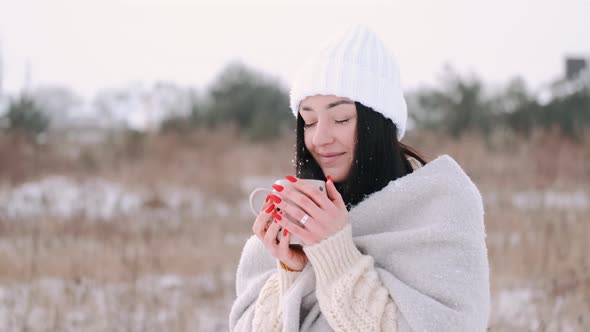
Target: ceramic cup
258 196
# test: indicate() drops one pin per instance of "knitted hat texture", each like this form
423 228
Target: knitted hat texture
357 66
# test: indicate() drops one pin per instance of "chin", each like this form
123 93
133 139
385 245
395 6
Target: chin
336 174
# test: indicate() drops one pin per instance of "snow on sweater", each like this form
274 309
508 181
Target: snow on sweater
413 258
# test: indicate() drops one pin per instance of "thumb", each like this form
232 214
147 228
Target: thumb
333 193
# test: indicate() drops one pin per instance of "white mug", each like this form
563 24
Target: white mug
259 194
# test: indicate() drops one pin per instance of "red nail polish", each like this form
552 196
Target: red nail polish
290 178
330 178
278 187
267 198
277 216
285 232
270 208
275 199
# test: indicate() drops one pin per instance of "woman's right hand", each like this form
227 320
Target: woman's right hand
267 229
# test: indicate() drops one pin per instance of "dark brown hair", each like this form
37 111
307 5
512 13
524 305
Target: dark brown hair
379 157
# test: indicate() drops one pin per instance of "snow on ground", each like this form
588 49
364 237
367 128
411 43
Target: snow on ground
61 197
152 303
173 302
533 200
533 309
517 306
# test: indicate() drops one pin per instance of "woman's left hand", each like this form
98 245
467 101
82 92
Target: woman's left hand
327 213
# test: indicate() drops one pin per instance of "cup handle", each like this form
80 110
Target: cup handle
253 195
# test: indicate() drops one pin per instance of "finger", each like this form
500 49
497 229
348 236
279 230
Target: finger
333 194
265 205
295 229
261 232
297 204
270 238
294 214
314 193
262 220
284 244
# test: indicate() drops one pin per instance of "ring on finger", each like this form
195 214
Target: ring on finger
304 219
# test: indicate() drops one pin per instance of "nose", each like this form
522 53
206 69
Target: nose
323 134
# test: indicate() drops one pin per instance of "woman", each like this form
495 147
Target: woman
398 244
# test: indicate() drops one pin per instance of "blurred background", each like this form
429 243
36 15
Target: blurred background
131 133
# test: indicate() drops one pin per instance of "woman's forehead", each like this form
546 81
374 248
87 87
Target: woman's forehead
319 102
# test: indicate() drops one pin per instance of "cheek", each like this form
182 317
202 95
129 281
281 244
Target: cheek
351 137
307 139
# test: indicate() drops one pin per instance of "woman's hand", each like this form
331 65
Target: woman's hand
266 229
326 214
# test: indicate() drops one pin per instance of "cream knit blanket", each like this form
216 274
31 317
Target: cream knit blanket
426 234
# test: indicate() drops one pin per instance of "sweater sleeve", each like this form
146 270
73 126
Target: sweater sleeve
350 294
267 313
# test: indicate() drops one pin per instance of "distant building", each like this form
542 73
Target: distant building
575 78
573 67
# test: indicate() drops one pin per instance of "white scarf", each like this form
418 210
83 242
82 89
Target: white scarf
426 233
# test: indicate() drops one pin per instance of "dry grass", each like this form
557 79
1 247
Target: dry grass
538 253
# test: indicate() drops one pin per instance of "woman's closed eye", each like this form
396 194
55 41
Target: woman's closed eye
309 125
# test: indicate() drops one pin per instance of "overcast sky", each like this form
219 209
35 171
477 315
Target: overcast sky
87 45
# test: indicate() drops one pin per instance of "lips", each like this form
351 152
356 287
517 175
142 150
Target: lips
330 157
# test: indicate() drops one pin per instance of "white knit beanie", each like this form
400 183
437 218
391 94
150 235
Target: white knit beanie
357 66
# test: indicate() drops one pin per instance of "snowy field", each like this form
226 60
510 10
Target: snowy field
169 283
101 200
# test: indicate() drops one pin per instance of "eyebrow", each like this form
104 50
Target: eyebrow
330 105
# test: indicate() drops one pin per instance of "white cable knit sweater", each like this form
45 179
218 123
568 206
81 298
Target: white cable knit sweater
413 258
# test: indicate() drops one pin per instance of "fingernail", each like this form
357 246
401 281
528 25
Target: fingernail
276 215
285 232
267 198
290 178
330 178
278 187
272 206
275 199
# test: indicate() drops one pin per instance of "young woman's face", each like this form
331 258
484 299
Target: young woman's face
330 133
